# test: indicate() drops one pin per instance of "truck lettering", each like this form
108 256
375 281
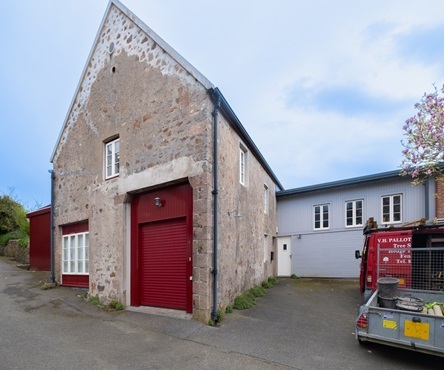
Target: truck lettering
395 245
403 261
400 239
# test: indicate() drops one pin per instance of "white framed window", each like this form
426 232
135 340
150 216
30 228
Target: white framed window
266 248
392 209
243 165
112 158
354 213
266 199
321 216
75 253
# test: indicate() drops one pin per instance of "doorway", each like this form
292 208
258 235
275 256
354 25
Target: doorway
284 256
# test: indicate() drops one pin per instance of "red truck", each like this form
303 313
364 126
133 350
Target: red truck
401 278
393 252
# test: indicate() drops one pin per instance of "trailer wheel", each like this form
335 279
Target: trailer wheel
366 295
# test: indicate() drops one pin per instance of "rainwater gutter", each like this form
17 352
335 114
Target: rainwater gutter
217 102
52 276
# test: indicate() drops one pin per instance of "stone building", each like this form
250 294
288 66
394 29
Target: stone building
150 209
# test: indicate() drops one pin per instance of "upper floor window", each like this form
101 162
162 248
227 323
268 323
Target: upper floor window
243 165
354 213
112 159
321 216
392 209
266 199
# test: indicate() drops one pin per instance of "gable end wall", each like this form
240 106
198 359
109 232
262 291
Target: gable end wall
162 116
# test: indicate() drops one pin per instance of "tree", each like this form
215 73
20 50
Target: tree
12 216
423 152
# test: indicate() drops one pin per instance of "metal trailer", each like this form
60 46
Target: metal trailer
402 328
387 324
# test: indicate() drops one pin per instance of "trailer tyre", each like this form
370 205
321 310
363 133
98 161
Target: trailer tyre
366 295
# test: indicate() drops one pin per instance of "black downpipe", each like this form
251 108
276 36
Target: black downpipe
427 198
52 276
217 103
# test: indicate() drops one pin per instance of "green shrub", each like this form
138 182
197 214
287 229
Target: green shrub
266 284
4 238
272 280
293 276
12 216
219 315
257 291
95 301
229 309
21 236
116 305
13 222
244 301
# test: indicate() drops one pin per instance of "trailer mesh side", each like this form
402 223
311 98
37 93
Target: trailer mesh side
416 268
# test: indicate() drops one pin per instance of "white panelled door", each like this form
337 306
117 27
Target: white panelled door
284 256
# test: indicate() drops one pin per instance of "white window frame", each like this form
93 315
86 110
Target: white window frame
266 199
266 248
354 213
392 209
112 158
243 165
321 220
75 253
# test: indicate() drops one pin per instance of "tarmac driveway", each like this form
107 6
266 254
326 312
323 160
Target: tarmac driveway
299 324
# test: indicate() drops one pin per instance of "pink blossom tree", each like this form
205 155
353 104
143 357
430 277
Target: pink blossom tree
423 145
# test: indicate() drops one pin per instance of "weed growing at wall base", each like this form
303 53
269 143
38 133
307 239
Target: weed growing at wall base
257 291
270 282
116 305
244 301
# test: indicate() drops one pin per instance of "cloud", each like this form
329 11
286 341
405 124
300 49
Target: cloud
344 100
423 45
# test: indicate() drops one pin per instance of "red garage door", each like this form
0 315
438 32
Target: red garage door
161 248
163 264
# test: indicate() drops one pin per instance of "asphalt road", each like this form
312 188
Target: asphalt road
299 324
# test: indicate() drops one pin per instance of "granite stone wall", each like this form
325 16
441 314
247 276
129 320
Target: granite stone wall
162 116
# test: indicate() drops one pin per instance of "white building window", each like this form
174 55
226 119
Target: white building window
266 199
321 216
243 165
392 209
354 213
75 254
112 159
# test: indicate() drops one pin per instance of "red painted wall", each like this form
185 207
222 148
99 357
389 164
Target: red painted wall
40 239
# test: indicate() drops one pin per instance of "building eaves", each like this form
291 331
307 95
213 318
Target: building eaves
230 115
394 174
43 210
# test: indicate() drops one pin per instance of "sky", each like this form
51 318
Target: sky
323 87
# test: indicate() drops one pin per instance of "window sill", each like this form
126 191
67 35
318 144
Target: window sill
112 177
